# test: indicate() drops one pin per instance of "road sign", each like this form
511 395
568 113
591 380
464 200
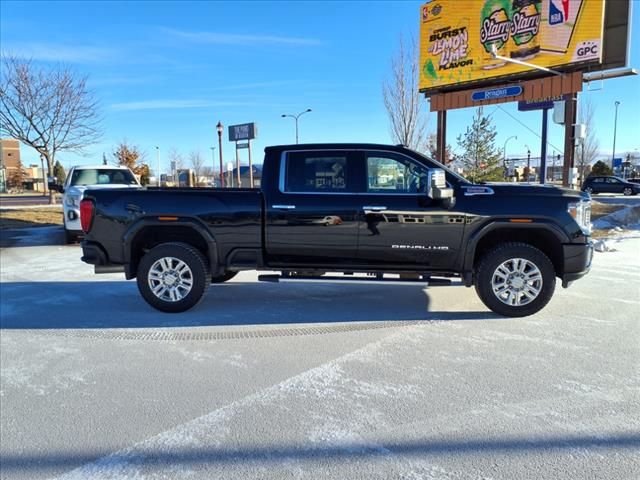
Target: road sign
496 93
242 145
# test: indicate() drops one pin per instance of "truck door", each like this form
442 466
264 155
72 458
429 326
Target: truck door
312 214
399 224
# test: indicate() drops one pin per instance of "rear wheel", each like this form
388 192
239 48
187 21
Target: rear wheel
172 277
515 279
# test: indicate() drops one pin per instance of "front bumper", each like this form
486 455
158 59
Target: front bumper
577 261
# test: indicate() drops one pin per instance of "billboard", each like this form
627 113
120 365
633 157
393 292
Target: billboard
467 42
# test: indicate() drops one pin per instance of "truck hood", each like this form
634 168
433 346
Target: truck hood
520 189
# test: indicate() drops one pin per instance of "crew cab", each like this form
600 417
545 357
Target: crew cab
344 213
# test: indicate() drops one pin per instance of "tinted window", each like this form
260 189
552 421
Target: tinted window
318 172
598 180
394 174
613 180
102 177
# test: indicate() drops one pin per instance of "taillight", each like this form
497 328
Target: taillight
86 214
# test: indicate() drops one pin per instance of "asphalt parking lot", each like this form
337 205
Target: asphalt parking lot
293 381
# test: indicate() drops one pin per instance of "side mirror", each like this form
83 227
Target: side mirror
437 185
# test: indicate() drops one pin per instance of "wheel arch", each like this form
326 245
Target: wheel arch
148 233
545 236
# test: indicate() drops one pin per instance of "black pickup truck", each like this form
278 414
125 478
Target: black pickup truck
344 213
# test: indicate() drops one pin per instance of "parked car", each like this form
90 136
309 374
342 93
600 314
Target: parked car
81 178
608 184
328 213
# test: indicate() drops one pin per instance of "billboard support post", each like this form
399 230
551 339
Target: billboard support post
238 165
570 116
543 149
441 137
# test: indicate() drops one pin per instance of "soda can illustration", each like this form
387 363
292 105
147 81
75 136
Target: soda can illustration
495 24
525 29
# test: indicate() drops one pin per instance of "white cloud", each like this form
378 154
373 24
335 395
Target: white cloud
240 39
173 104
60 53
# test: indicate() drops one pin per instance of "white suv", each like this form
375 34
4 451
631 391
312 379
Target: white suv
81 178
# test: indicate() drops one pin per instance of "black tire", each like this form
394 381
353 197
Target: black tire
589 190
224 277
487 267
198 274
70 237
627 191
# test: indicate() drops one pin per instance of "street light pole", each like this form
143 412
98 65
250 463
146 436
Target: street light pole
158 159
528 162
219 128
213 164
296 117
504 153
615 127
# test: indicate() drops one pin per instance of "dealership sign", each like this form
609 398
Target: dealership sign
473 41
245 131
496 93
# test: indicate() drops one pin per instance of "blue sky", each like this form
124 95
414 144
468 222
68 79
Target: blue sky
166 72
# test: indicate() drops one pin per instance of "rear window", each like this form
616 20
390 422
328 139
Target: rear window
102 177
318 172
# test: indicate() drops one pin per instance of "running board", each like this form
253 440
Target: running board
373 280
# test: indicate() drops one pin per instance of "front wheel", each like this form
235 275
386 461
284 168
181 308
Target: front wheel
172 277
589 190
515 279
627 191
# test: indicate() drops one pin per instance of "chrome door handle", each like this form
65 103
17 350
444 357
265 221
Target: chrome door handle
374 208
283 207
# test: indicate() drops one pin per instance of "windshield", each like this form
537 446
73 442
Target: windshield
99 176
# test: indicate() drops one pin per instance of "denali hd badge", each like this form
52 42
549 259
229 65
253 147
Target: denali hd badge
421 247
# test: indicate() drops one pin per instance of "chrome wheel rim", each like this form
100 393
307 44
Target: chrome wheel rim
170 279
516 282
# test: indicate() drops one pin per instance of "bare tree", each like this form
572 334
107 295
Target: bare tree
197 162
587 149
403 101
50 110
176 156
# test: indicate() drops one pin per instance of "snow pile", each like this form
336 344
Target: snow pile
628 218
603 246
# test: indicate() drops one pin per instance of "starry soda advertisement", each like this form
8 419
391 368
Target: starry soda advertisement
461 40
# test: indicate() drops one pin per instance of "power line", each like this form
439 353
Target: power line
527 127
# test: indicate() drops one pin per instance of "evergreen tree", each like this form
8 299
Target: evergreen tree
59 173
601 168
16 177
480 157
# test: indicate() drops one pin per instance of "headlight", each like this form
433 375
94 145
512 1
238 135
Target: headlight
581 212
73 200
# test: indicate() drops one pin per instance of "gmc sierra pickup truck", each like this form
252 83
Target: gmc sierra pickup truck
344 213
